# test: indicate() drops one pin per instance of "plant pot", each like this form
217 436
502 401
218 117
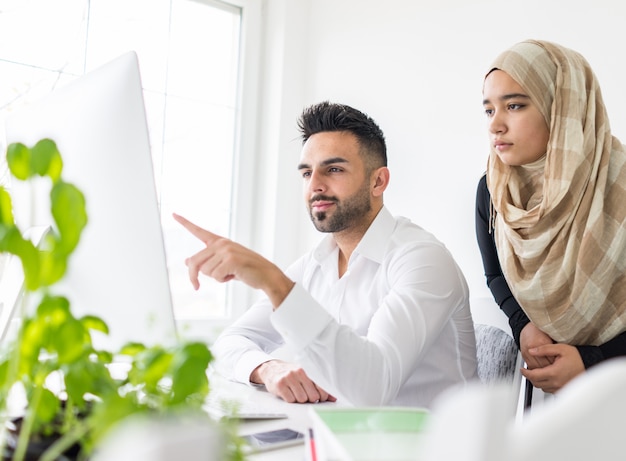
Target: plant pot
36 446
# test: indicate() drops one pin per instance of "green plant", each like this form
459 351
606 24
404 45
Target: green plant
72 393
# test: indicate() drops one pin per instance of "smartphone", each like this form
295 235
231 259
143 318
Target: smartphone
270 440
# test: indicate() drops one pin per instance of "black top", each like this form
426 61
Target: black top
501 292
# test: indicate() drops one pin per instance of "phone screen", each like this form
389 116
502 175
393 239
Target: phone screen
273 439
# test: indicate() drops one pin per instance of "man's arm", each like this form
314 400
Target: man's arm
247 343
224 260
243 353
425 287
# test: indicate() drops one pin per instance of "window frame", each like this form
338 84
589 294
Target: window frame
244 180
239 297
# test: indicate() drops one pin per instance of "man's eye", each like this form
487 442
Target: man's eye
306 174
488 112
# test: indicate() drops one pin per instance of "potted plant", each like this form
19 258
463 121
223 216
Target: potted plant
72 395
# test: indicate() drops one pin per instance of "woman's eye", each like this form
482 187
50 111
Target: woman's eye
515 106
488 112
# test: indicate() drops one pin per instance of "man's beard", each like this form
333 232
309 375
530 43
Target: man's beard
346 213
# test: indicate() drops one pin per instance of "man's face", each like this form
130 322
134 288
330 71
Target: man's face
335 184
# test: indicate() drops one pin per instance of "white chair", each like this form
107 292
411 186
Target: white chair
469 423
584 420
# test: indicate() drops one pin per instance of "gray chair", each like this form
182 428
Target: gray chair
499 361
497 355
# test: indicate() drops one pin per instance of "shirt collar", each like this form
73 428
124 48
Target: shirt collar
371 246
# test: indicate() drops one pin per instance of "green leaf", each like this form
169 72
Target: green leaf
4 376
48 407
52 313
71 341
46 159
33 333
189 372
132 349
6 208
104 384
104 357
92 322
54 310
52 266
13 242
70 214
18 159
188 379
150 367
78 382
198 350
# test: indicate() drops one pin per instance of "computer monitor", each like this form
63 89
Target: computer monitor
118 271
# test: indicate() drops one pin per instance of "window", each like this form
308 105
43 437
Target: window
189 54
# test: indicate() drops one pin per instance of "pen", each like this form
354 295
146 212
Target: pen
312 445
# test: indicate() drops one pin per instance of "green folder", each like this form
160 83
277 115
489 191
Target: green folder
368 434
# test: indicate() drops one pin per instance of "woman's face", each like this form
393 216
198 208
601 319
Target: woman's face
517 130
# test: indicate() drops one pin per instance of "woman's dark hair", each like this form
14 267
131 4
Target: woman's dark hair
327 116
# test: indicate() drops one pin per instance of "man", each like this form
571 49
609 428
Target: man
377 314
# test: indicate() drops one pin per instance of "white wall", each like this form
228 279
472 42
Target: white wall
416 67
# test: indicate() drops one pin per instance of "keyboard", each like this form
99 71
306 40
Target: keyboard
220 406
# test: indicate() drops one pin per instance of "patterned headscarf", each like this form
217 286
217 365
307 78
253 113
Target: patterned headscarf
561 221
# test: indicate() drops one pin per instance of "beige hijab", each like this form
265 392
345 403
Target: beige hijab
561 222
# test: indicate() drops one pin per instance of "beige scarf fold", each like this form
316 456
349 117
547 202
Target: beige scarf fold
561 221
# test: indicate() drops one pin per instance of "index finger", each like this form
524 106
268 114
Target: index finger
325 396
196 231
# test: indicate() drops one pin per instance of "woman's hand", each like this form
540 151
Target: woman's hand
566 365
532 337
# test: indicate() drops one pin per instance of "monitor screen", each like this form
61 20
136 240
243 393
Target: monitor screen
118 271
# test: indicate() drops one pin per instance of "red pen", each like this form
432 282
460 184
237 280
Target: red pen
312 445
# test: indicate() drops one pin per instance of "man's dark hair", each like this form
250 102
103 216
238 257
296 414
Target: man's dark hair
327 116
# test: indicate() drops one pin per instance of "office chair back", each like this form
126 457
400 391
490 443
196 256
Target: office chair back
498 358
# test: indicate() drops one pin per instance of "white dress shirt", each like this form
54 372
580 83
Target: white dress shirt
395 329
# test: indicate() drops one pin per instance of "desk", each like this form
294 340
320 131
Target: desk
297 416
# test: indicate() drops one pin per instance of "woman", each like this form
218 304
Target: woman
551 212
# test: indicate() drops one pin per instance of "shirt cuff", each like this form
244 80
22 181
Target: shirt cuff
247 363
300 319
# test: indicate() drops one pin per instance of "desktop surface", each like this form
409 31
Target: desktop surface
297 416
340 431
